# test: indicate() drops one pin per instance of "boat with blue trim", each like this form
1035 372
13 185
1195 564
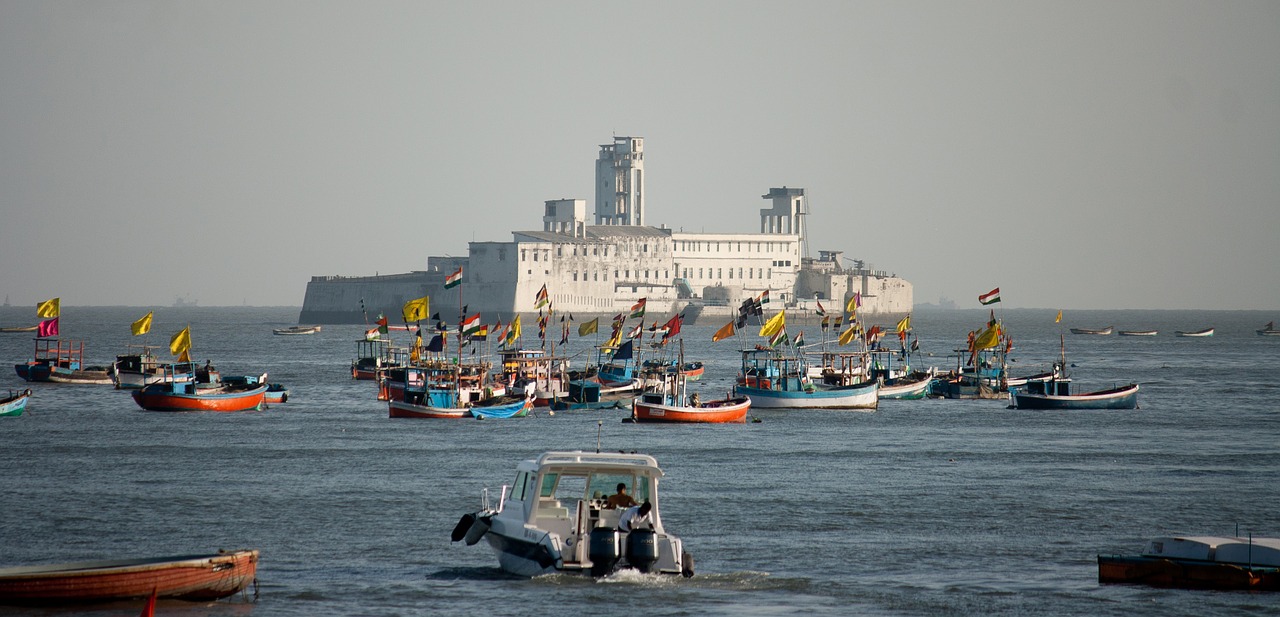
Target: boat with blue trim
774 380
15 403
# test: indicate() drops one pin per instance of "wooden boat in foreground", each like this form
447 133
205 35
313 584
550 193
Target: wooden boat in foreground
15 403
1204 332
1138 332
1198 562
197 578
1098 331
555 518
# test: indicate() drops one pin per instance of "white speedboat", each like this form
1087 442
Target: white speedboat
554 518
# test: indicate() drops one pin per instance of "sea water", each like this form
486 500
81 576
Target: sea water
930 507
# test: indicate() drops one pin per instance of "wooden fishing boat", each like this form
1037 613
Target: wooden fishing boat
295 330
197 578
1198 562
1098 331
1204 332
138 368
15 403
773 380
438 390
373 355
204 391
1138 332
591 394
61 361
898 382
556 519
275 394
1055 393
669 400
1268 330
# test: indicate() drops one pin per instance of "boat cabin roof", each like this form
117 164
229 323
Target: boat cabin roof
591 461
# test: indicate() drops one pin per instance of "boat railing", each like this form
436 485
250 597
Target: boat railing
643 460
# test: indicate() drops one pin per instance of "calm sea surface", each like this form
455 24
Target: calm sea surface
929 507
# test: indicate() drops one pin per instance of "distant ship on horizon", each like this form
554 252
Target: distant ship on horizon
180 302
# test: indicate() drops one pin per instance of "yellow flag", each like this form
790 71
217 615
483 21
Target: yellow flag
1058 319
591 327
905 324
723 333
849 335
417 310
775 323
180 344
48 308
988 338
142 326
515 330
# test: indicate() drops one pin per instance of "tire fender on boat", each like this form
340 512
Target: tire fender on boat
460 530
477 531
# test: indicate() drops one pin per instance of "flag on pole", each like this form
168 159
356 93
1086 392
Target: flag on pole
723 333
453 280
637 309
848 335
778 337
822 312
799 340
775 323
991 297
513 334
764 297
541 299
672 327
48 327
903 327
1058 319
417 310
591 327
471 325
48 308
180 345
826 321
636 331
855 301
142 326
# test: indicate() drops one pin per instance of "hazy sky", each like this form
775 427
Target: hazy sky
1075 154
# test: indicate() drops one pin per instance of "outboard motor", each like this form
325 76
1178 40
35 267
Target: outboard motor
604 550
642 549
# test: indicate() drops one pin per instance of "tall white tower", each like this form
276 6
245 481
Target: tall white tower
620 182
786 215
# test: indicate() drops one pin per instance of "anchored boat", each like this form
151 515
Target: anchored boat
1198 562
197 578
555 517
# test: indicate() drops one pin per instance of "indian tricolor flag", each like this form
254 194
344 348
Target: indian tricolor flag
991 297
453 280
471 325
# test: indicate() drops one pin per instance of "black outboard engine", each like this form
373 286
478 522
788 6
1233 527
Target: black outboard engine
604 550
642 549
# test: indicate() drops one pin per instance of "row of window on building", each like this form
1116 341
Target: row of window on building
699 246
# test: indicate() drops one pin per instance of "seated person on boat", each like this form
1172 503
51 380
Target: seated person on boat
620 499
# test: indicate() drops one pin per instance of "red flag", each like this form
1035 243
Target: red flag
382 320
48 327
149 610
672 326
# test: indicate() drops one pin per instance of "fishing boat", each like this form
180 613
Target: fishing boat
898 382
591 394
533 371
276 394
669 400
376 354
1138 332
435 390
1268 330
136 369
15 403
1099 331
1198 562
1055 393
61 361
204 390
196 578
555 519
1204 332
774 380
295 330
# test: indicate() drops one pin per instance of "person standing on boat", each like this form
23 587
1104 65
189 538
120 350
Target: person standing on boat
635 516
620 499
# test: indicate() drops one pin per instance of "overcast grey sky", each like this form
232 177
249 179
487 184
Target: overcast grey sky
1075 154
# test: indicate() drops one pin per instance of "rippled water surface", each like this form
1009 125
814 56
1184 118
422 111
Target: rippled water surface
925 507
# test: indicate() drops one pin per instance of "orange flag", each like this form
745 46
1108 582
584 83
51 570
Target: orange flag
723 333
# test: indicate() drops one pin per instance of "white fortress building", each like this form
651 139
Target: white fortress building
605 267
